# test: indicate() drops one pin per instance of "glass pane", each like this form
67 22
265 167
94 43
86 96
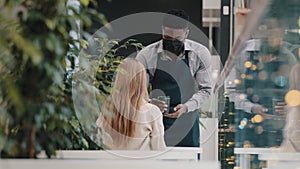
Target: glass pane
263 83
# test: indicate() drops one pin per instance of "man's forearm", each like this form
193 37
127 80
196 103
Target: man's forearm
197 100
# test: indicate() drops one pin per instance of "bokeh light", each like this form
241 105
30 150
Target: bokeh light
249 90
243 76
237 81
247 144
250 77
242 96
292 98
259 129
243 123
257 119
248 64
281 81
262 75
254 67
284 70
255 98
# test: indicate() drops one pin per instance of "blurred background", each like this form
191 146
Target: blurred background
41 41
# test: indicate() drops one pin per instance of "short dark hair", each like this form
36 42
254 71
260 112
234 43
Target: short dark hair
171 19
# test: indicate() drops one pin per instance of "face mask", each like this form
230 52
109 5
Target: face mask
173 46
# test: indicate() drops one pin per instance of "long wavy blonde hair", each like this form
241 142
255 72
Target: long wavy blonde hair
121 109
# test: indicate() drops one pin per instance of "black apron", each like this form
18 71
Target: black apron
174 79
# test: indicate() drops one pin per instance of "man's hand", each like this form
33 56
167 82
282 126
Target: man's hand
280 108
178 111
160 104
261 110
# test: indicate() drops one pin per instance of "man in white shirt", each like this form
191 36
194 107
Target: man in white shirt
179 68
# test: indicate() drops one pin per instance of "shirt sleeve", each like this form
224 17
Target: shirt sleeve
240 99
141 57
203 81
240 102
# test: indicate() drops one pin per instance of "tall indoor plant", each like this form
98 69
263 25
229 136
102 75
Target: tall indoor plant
35 106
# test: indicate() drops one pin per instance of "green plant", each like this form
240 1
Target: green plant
36 110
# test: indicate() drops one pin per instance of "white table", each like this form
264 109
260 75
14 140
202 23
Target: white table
104 164
281 160
244 154
171 153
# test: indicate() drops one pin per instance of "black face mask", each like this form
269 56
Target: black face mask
173 46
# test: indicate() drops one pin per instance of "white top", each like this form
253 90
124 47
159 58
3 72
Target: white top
291 141
149 133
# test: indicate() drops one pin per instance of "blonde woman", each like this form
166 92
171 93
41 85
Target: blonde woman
291 142
127 120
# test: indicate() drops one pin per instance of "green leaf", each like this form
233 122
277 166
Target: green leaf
85 2
2 140
63 31
86 20
85 143
49 44
15 96
50 107
83 43
28 48
11 147
38 120
50 24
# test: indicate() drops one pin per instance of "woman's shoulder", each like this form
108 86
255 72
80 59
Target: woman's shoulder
151 109
149 106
